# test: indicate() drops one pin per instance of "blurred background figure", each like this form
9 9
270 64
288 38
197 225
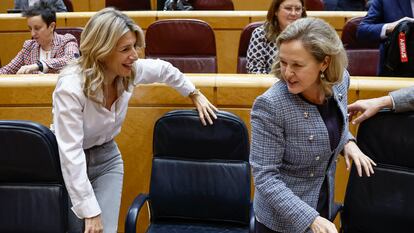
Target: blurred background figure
346 5
47 51
262 48
382 17
24 4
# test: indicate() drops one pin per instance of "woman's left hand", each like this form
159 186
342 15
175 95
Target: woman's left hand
205 109
361 161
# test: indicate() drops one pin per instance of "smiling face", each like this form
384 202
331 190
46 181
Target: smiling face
289 11
300 69
39 30
120 60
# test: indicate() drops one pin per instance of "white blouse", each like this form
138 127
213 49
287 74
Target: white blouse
80 123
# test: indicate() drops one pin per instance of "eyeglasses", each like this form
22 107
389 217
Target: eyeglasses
293 9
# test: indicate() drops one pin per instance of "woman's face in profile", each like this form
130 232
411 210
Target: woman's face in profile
39 30
121 59
299 68
289 11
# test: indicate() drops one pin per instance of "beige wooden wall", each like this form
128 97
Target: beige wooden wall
29 98
227 26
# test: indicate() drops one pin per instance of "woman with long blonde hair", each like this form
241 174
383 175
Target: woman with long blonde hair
89 105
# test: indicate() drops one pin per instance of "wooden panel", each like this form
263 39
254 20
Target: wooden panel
227 26
143 18
227 47
5 5
216 19
95 5
11 44
13 22
256 5
82 5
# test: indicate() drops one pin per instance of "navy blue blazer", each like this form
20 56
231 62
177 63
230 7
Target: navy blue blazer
380 13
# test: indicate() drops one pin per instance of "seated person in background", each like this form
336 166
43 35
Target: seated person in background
345 5
262 49
381 19
47 51
299 127
400 101
24 4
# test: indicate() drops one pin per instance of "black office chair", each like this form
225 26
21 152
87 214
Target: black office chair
384 202
33 197
200 179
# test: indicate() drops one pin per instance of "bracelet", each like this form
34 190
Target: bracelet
40 65
194 93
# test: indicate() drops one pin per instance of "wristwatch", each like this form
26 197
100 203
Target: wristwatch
40 65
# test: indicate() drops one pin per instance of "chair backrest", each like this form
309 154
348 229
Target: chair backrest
33 197
383 202
363 56
189 44
314 5
200 173
363 62
213 5
245 36
349 36
69 5
129 5
75 31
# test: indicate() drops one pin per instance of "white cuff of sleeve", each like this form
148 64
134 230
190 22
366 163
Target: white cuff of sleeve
45 67
384 31
87 208
392 101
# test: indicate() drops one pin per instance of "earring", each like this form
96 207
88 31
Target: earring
322 76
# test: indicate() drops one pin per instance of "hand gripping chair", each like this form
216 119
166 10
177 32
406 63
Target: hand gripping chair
200 180
189 44
33 197
384 202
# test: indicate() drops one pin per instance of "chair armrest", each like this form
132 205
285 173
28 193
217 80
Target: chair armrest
133 211
252 226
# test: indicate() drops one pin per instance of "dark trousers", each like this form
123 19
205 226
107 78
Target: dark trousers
260 228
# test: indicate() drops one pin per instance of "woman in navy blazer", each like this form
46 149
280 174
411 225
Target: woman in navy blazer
299 126
381 19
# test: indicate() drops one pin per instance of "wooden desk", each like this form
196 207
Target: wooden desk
29 97
227 26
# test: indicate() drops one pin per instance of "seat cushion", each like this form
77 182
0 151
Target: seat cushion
194 228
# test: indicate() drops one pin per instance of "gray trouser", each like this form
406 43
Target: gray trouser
105 169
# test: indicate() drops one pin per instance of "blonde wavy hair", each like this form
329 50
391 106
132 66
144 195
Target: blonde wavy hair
98 39
321 40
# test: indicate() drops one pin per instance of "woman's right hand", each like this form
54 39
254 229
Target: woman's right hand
323 225
94 225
